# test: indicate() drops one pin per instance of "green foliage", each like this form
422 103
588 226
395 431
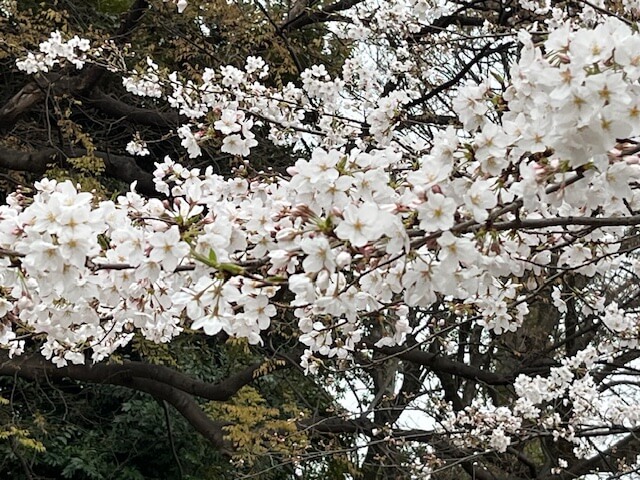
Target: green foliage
82 176
99 432
151 352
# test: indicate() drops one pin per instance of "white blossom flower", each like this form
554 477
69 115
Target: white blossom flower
436 213
319 255
168 249
363 224
137 146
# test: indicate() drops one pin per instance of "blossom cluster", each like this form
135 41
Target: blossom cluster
335 235
137 146
54 51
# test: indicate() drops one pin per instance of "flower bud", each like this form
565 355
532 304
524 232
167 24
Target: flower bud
343 259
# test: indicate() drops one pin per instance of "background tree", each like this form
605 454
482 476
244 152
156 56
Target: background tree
444 284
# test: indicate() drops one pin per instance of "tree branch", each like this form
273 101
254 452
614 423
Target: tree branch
29 95
441 23
441 364
484 52
565 221
159 381
605 461
188 408
143 116
117 166
36 366
308 17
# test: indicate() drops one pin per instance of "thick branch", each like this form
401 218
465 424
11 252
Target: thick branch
441 23
519 224
431 119
188 408
27 97
309 17
35 367
117 166
161 382
126 169
142 116
441 364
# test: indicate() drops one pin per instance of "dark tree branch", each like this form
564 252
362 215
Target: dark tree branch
604 461
441 364
308 17
142 116
185 404
429 118
484 52
441 23
161 382
519 224
28 96
117 166
38 368
35 367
